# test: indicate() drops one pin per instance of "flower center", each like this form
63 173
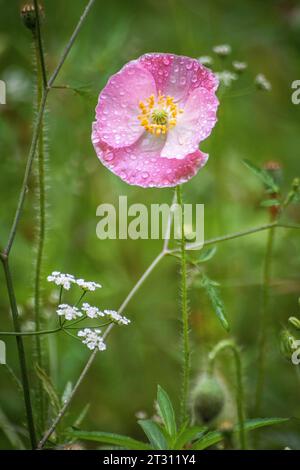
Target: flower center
158 115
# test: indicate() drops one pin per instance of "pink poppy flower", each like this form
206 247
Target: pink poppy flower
151 117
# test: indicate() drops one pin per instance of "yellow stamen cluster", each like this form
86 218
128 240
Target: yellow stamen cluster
160 115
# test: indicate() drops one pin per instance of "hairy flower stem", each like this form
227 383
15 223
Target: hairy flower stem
240 396
264 323
21 351
40 74
186 354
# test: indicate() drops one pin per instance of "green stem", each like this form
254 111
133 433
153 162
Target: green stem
240 396
41 77
29 333
21 351
184 319
264 323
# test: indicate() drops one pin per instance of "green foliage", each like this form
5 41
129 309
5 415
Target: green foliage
211 288
166 436
264 176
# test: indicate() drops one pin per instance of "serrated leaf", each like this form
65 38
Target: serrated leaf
154 434
48 387
270 203
212 291
119 440
214 437
263 175
166 411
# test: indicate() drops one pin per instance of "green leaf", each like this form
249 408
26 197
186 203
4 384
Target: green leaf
125 442
270 203
217 303
81 415
166 411
10 431
48 387
207 254
188 435
214 437
154 434
263 175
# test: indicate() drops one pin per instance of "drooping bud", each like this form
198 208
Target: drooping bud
28 15
208 399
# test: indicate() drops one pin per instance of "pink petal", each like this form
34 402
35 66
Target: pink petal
141 163
118 105
178 76
193 125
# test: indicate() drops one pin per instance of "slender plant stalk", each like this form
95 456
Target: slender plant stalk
41 84
21 351
240 396
186 353
264 323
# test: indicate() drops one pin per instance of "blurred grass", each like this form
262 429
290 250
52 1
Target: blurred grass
258 126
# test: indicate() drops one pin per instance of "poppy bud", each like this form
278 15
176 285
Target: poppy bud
207 399
29 17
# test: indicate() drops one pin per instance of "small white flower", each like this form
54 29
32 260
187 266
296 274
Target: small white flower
116 317
91 311
222 50
92 338
239 66
205 60
87 285
226 77
61 279
262 82
68 311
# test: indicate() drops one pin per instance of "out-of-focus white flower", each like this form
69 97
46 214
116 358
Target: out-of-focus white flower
69 312
87 285
205 60
91 311
222 50
262 82
116 317
226 77
92 338
28 325
239 66
61 279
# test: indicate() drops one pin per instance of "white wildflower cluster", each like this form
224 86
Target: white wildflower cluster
87 285
92 338
69 312
61 279
205 60
116 317
226 77
65 280
222 50
91 311
239 66
262 82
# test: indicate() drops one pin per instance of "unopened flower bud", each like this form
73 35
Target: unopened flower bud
295 322
275 170
28 15
287 342
207 399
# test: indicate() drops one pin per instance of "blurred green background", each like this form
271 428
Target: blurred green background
252 124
